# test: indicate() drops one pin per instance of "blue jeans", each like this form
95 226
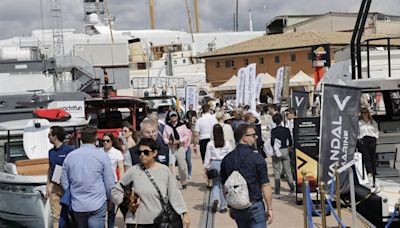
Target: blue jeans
216 189
189 160
93 219
252 217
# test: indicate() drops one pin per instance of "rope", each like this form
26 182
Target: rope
330 203
392 218
309 206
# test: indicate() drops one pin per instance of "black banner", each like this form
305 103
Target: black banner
300 102
321 56
306 145
339 129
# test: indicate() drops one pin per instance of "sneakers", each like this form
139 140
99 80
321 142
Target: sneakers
214 206
292 194
276 196
223 210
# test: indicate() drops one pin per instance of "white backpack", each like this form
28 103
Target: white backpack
236 191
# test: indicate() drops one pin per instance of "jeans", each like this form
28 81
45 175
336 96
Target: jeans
367 147
216 189
93 219
252 217
180 155
111 216
189 160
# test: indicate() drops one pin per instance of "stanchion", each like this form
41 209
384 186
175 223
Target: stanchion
303 173
323 208
337 185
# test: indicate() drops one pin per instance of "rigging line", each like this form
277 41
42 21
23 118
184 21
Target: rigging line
42 20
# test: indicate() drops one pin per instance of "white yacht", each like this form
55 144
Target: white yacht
23 183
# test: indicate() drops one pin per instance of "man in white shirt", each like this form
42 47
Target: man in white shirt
203 129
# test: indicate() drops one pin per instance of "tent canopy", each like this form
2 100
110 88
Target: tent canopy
228 85
301 79
267 80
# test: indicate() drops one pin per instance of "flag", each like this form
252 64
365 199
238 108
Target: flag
338 130
300 103
192 97
251 86
278 85
240 87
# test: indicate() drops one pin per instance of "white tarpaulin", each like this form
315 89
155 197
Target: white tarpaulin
301 79
278 85
228 85
267 80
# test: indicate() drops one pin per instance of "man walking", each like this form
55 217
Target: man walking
202 130
254 170
57 154
87 174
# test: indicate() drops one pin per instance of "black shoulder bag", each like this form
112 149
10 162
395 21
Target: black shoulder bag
168 218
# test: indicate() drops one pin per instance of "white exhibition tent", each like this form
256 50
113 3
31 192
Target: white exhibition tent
301 79
228 85
267 80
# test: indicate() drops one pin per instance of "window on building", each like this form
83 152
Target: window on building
175 62
293 57
229 63
184 60
141 66
261 60
217 64
277 60
246 62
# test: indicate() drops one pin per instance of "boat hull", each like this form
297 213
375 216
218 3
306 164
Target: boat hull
24 204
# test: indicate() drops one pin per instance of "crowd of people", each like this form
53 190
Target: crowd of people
136 172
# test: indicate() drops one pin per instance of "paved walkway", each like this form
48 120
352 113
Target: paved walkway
286 213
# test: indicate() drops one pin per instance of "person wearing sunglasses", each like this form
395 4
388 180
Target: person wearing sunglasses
113 149
149 203
128 133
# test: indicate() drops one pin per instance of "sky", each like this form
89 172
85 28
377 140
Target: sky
20 17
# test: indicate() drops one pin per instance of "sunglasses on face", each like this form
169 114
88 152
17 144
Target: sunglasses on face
253 135
106 140
145 152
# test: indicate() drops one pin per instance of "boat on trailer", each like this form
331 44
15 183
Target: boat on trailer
23 181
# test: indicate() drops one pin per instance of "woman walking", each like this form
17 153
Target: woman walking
113 149
150 179
128 133
216 150
368 135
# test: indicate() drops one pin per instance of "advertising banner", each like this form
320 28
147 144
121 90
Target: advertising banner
240 88
339 130
300 102
321 56
306 146
278 85
192 97
258 87
251 86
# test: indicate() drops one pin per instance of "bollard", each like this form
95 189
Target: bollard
337 186
303 173
323 212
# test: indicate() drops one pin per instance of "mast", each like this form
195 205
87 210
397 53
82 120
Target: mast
250 22
196 13
190 27
152 21
109 20
237 16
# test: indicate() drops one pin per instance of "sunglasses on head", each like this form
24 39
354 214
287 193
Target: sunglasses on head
145 152
106 140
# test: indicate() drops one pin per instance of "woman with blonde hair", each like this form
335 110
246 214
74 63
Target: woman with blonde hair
367 137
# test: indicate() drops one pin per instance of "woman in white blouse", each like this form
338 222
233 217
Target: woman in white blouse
368 135
216 150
